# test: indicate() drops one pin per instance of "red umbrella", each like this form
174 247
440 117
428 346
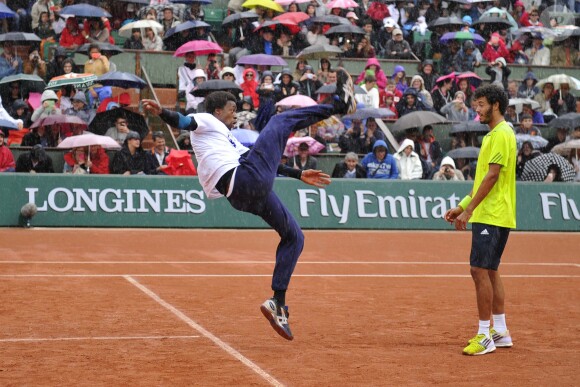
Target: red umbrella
293 17
180 164
273 24
200 47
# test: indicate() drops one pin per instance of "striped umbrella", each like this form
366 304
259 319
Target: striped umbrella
537 168
80 81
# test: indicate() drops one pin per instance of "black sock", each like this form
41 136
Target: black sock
280 297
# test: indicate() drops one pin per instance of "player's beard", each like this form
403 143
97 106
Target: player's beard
485 117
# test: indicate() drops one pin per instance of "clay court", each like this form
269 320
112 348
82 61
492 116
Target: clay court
181 307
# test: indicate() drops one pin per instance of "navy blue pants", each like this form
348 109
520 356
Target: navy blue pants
254 180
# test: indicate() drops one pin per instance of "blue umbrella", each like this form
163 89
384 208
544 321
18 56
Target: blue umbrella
6 12
84 10
246 136
121 79
188 25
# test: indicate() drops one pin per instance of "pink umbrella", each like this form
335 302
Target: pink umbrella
89 139
297 100
314 147
288 2
444 77
200 47
57 119
293 17
342 4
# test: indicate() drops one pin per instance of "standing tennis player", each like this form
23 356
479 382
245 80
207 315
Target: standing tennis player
491 210
246 176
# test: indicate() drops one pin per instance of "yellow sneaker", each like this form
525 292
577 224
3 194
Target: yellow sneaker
479 345
501 340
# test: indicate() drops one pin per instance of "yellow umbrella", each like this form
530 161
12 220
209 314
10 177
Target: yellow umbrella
269 4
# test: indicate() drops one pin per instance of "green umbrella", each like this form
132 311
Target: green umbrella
80 81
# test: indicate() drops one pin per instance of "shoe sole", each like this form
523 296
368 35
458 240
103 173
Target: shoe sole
488 350
268 314
504 345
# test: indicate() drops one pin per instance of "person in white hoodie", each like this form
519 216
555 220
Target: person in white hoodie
199 76
408 161
448 171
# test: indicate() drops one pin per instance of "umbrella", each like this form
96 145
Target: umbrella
28 82
212 85
58 119
331 89
121 79
89 139
192 1
179 163
294 17
493 23
342 4
468 152
418 120
297 100
565 148
268 4
538 142
330 19
188 25
345 29
364 113
7 124
560 33
562 14
127 30
199 47
569 121
469 127
446 22
84 10
558 79
537 168
292 27
444 77
104 47
6 12
319 51
237 18
288 2
262 60
178 10
494 11
472 77
105 120
246 136
314 147
462 35
80 81
19 37
520 102
546 32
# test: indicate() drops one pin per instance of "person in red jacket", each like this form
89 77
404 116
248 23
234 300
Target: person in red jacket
71 37
99 160
250 84
495 48
6 158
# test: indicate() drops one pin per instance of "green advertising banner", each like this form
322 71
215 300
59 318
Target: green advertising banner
179 202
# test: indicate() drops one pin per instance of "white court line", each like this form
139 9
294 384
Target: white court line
270 275
34 339
231 351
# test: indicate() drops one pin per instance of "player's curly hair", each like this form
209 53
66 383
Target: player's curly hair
218 100
493 93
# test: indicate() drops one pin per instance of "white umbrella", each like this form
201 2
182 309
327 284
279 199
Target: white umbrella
520 102
565 148
127 30
88 139
558 79
537 142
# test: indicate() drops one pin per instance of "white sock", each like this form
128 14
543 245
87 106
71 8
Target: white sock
499 323
484 328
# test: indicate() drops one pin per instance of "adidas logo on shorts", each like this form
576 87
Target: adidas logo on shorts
484 232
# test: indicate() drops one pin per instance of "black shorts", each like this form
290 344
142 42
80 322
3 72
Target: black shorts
487 245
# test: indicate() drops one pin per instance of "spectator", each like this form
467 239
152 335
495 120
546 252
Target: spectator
135 42
299 70
527 126
76 161
97 64
442 94
511 115
448 53
193 102
287 87
99 160
466 59
21 20
563 102
429 150
79 108
34 64
512 89
531 19
228 74
408 162
169 20
364 49
410 103
400 78
544 99
537 117
388 101
525 154
250 84
371 98
495 48
44 30
245 114
539 54
185 74
34 161
38 8
151 41
14 94
303 160
10 63
308 82
427 72
518 47
424 95
499 72
322 72
131 159
55 68
350 140
95 31
6 158
184 141
565 54
383 36
349 168
528 87
72 37
448 171
397 47
48 100
119 131
156 157
374 65
464 86
378 164
315 35
456 110
371 135
20 111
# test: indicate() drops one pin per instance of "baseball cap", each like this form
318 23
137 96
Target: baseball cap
352 14
397 31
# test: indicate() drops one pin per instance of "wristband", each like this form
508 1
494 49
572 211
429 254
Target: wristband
465 202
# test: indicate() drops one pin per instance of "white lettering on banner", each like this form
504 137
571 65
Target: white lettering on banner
304 198
550 199
116 200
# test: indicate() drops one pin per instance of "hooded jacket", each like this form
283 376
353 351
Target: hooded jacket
379 73
403 108
448 161
41 112
68 38
380 169
423 93
401 85
249 86
410 167
524 91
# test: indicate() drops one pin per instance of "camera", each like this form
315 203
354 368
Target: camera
309 76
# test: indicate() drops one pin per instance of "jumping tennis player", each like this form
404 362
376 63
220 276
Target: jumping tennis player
491 209
246 176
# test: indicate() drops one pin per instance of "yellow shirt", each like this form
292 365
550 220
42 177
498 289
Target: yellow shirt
498 208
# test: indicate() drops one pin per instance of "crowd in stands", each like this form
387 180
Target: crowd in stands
417 30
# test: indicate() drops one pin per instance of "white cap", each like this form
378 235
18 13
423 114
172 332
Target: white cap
352 14
448 161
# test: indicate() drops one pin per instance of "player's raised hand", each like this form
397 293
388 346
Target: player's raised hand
316 178
151 106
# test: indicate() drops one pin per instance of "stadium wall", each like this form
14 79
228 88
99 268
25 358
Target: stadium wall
179 202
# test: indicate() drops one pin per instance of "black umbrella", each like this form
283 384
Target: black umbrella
452 21
469 127
19 37
105 120
330 19
188 25
28 83
493 23
237 18
363 114
331 89
121 79
417 120
212 85
84 10
537 168
468 152
569 121
104 47
345 29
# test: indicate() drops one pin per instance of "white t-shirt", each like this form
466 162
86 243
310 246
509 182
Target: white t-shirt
216 149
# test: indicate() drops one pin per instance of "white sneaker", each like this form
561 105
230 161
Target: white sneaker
501 340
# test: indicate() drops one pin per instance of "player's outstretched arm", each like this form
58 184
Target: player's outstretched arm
174 119
315 177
